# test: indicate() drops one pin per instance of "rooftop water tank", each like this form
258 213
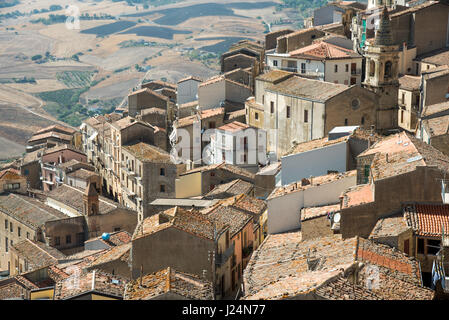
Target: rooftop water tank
105 236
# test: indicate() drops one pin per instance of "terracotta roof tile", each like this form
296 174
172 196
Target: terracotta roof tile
323 50
169 281
307 88
316 181
427 219
91 282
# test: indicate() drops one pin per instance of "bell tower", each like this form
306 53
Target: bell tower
382 73
90 201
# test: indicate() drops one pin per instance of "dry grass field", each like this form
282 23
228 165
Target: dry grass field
74 51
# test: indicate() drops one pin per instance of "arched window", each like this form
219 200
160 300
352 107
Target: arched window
372 68
388 70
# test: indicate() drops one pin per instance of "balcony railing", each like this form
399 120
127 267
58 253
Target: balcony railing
221 259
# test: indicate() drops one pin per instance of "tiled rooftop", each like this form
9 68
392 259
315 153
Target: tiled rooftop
91 282
28 210
316 181
37 254
389 227
228 215
190 78
358 195
410 83
51 134
147 153
205 114
284 266
223 166
127 122
427 219
315 144
437 126
275 76
82 173
307 88
188 221
66 130
279 267
435 108
62 147
341 289
402 153
438 57
234 126
115 238
316 212
323 50
10 174
73 197
120 252
229 189
169 281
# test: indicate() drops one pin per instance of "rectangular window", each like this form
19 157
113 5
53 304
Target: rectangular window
306 116
162 188
6 224
68 239
263 99
18 231
347 67
256 115
303 68
10 227
403 98
336 68
28 235
288 111
272 107
6 244
162 172
346 122
275 63
57 241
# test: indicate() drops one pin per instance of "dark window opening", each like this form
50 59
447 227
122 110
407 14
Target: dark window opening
433 246
420 248
288 111
68 239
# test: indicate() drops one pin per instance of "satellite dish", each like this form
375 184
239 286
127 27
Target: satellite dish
337 217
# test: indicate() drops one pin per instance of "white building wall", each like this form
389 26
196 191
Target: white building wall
342 76
187 91
314 163
210 96
328 193
76 183
284 213
284 131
